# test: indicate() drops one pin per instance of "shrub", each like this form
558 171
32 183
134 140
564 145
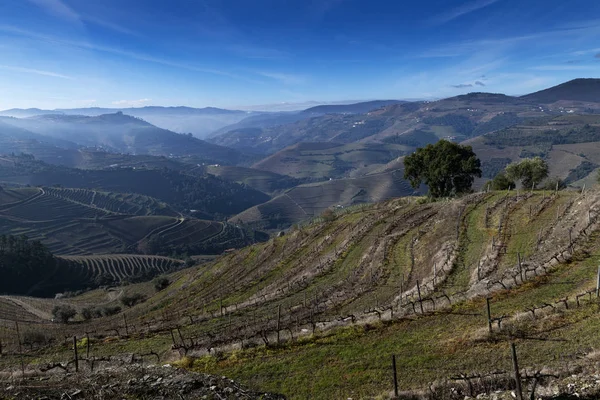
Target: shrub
110 310
551 184
63 313
161 283
501 182
87 313
132 299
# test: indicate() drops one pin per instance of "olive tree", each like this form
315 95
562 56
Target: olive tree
445 167
530 171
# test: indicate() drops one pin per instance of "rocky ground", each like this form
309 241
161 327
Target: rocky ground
143 383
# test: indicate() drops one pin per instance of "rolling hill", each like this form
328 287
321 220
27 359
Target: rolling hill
306 202
185 189
330 160
355 108
88 222
264 181
198 121
121 133
579 90
416 123
569 143
403 278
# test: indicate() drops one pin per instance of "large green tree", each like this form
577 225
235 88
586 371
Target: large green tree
530 171
446 167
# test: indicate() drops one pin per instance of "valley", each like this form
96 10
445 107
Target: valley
285 242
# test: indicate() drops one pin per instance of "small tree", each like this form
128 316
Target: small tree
447 168
87 313
132 299
328 215
501 182
161 283
553 183
63 313
110 310
530 171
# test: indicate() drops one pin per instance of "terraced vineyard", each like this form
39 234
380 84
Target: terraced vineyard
118 268
308 201
119 203
86 222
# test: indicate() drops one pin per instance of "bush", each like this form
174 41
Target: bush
108 310
161 283
87 313
132 299
552 182
501 182
63 313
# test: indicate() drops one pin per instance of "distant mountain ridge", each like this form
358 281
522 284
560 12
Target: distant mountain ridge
582 89
356 108
116 132
134 111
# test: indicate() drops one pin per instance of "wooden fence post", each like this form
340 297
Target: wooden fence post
395 376
278 321
75 353
489 314
20 350
517 375
520 266
598 283
420 299
87 355
126 327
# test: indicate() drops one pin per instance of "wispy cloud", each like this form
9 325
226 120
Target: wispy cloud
550 37
585 52
131 103
565 67
286 79
58 9
121 52
460 11
35 71
479 83
597 55
259 52
462 85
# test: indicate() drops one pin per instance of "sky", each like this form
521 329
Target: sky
251 54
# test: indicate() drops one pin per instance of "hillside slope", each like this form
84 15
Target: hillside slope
308 201
569 143
187 188
330 160
582 90
398 278
86 222
123 134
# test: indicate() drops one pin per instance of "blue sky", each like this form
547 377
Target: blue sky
235 53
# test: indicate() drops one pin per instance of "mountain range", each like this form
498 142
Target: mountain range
349 153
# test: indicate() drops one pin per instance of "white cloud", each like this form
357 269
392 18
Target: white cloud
35 71
131 103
